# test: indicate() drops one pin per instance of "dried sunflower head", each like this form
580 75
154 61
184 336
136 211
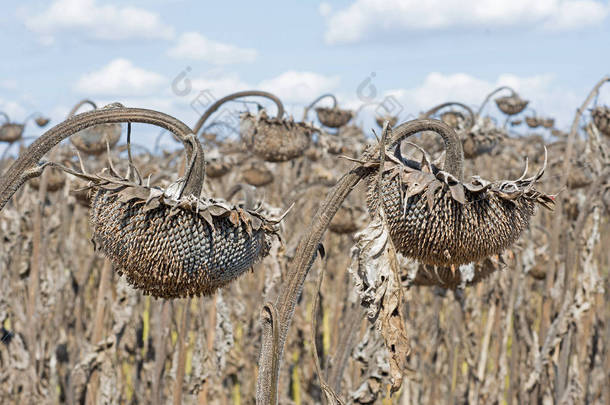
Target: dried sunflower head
532 122
275 139
511 105
171 246
92 141
11 132
55 181
334 117
256 174
438 219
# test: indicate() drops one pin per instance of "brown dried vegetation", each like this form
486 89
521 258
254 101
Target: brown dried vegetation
395 311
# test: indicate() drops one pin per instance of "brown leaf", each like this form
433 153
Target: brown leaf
392 324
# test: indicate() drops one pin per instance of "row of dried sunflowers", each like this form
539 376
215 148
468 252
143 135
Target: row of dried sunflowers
173 242
434 215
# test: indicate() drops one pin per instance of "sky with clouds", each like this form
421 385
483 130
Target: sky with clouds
173 55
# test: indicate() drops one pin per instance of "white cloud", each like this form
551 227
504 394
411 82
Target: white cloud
438 88
120 78
325 9
220 84
366 17
14 110
576 14
295 89
8 84
299 87
546 96
92 20
292 87
192 45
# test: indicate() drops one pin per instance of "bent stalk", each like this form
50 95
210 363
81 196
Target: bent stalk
439 107
490 95
26 166
79 105
323 96
273 340
249 93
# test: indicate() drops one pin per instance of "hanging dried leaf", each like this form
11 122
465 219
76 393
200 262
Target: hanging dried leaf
375 269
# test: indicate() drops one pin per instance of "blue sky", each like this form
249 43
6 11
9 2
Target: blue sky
422 53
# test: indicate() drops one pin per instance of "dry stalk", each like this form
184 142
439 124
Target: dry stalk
272 348
490 95
331 396
98 324
557 222
35 266
26 166
182 334
211 336
160 353
240 94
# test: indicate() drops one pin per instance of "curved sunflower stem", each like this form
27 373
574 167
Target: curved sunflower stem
273 345
33 116
249 93
490 95
316 101
79 105
454 157
439 107
26 166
